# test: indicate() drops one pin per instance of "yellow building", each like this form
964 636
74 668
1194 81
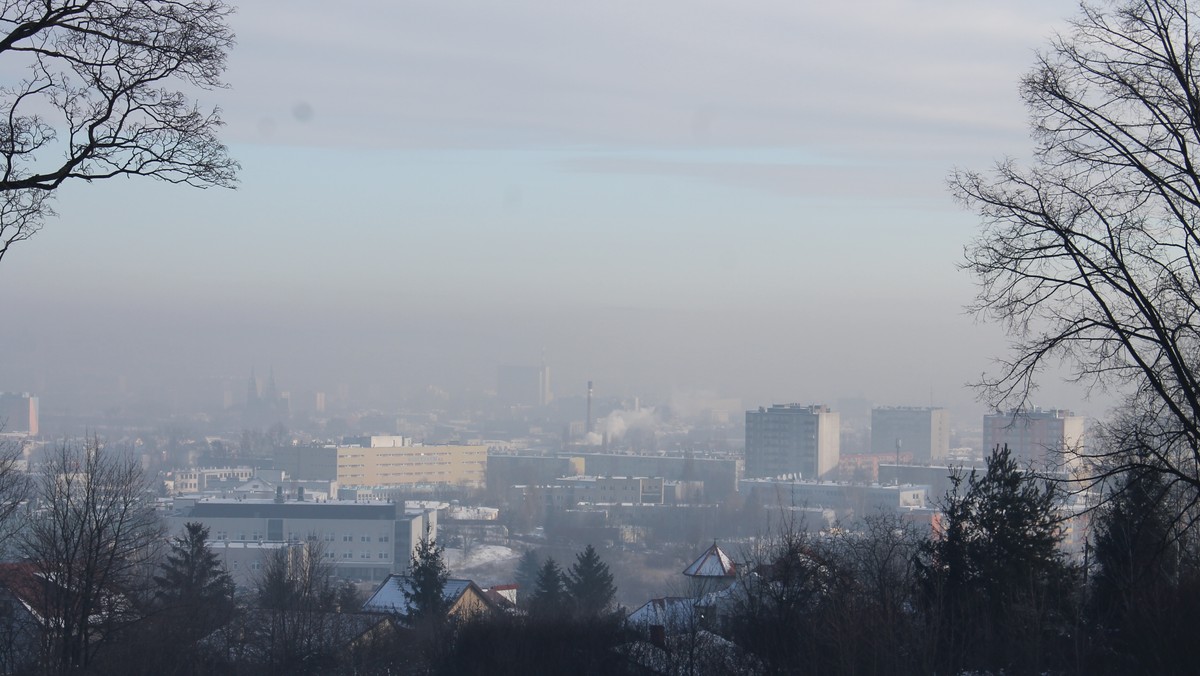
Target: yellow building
398 465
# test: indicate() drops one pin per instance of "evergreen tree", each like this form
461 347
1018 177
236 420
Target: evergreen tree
195 596
192 581
427 578
995 583
526 576
590 584
1146 585
349 600
549 593
275 588
296 580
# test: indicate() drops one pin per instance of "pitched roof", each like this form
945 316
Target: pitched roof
712 563
36 591
676 614
706 653
390 598
26 585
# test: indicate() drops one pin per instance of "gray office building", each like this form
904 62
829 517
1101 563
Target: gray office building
791 439
920 433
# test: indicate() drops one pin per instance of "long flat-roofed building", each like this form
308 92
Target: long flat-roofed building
386 461
393 465
845 499
366 541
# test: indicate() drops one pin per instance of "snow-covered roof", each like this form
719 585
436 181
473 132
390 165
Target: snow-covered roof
712 563
704 651
389 598
675 614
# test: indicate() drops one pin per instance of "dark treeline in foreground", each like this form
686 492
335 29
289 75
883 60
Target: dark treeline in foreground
92 586
991 592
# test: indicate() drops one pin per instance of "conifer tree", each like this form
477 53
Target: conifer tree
549 594
995 579
590 584
193 582
427 578
526 576
349 600
1146 583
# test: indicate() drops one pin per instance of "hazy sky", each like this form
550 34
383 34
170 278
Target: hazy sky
747 197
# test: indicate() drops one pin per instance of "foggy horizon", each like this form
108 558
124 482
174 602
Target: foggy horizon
686 198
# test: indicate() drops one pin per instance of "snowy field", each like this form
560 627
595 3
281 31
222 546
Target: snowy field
486 564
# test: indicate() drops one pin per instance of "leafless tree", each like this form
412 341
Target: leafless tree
89 537
14 489
1090 256
102 95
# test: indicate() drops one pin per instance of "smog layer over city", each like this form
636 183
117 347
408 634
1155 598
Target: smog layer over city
599 338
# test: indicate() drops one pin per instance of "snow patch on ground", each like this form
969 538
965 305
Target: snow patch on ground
480 557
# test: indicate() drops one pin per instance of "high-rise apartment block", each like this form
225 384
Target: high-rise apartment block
922 433
1036 435
792 439
18 413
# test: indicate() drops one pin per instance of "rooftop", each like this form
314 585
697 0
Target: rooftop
712 563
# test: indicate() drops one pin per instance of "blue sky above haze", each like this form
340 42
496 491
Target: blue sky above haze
741 196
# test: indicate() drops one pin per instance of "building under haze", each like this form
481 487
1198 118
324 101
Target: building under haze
19 413
394 461
1037 436
524 385
307 463
846 500
792 439
385 461
923 433
365 541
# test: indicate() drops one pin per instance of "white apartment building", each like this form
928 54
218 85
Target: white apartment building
361 540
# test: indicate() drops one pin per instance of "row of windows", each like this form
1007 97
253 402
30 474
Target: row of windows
329 537
362 555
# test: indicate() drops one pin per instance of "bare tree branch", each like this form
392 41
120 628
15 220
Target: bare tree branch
1091 256
104 95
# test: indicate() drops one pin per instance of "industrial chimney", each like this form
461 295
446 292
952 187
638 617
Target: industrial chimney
588 424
